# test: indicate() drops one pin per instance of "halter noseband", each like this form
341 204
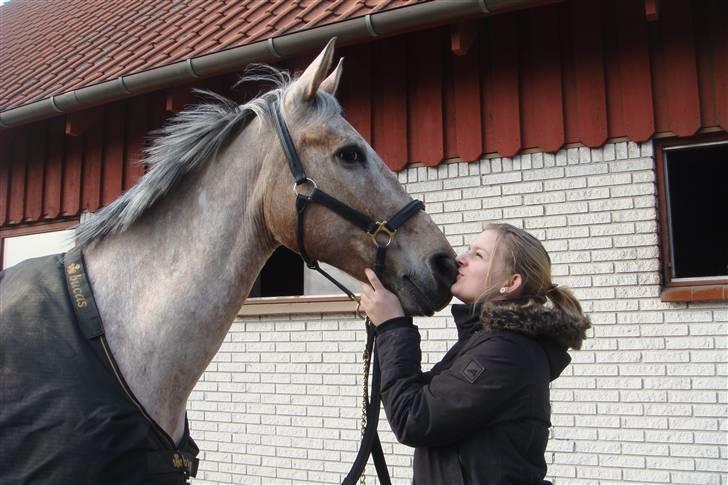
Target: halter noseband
382 233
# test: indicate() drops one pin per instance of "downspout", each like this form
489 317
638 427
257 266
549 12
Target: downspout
353 31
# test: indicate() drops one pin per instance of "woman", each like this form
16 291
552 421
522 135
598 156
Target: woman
482 414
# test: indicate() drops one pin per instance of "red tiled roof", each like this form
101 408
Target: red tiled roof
52 47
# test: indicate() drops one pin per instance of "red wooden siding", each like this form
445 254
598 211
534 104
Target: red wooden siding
501 112
389 102
425 95
574 72
18 179
5 160
585 90
53 182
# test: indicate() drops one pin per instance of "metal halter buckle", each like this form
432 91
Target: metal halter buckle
307 181
382 228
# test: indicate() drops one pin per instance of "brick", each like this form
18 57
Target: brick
501 178
711 465
609 179
523 211
544 173
522 188
696 424
462 182
640 177
633 190
544 198
620 150
481 192
610 204
441 196
622 461
609 152
646 476
564 184
582 170
632 165
429 186
670 463
567 232
652 449
619 408
691 478
621 435
483 215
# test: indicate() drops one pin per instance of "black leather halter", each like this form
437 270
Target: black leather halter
382 234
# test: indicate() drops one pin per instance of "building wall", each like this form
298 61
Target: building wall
644 402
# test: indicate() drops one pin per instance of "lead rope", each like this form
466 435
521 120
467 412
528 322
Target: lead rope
366 359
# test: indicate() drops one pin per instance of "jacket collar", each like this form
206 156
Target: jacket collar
538 321
467 319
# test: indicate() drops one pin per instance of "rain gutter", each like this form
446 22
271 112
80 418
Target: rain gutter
352 31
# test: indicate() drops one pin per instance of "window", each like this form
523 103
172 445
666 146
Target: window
692 188
286 285
19 244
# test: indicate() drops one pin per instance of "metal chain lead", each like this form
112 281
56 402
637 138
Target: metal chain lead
365 395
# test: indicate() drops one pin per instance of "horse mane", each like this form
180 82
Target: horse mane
187 141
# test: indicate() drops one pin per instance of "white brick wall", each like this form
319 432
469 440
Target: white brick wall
645 401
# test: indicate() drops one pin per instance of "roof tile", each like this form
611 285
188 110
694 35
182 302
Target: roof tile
45 52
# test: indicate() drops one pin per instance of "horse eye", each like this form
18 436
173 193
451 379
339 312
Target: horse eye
350 155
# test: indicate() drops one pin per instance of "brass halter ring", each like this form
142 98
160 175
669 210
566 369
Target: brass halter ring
386 231
308 182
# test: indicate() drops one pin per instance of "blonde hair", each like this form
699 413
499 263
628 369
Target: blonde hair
523 254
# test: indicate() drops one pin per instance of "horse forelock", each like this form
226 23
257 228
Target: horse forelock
192 138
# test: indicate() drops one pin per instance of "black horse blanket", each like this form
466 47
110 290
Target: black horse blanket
66 414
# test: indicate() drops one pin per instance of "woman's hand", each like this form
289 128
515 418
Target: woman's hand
379 303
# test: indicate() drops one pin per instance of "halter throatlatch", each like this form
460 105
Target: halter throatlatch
382 234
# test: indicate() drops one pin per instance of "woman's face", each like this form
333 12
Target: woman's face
474 267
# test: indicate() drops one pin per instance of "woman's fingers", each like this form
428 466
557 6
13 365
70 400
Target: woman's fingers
378 302
373 279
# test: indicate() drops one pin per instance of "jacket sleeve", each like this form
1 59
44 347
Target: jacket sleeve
454 402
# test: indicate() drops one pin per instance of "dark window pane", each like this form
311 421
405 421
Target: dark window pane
697 187
282 275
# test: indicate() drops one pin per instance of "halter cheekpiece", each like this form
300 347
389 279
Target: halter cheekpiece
382 233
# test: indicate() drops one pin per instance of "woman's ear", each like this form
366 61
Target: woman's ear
513 285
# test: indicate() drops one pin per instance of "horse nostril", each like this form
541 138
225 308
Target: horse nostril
443 267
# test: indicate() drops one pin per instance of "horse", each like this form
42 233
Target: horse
170 262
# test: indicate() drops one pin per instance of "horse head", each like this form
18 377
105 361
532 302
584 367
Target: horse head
419 265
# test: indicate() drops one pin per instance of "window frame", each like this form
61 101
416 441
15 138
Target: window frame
33 228
692 289
256 306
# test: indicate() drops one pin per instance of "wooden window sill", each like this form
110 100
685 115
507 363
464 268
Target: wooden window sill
295 305
695 293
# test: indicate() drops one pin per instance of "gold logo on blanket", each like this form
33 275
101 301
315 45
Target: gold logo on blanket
77 292
73 268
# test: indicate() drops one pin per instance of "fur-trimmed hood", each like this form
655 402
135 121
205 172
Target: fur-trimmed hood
537 321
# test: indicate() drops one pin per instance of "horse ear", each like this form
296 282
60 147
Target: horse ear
331 83
305 87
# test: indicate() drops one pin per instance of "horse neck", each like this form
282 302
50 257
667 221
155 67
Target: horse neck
170 286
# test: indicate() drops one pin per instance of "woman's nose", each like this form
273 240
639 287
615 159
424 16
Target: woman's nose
460 259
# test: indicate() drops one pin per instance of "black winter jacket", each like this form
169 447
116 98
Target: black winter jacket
481 415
